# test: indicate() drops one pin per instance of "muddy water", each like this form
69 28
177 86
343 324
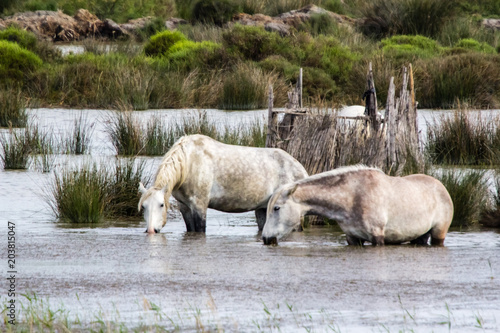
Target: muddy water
226 279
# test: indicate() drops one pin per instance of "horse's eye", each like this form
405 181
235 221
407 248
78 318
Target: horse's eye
142 207
162 205
276 207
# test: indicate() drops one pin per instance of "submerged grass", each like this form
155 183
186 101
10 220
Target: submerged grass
91 193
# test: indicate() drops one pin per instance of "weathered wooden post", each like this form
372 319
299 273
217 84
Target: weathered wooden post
272 120
300 88
390 121
370 97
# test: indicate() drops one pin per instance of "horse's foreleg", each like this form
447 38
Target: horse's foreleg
351 240
187 216
200 221
260 216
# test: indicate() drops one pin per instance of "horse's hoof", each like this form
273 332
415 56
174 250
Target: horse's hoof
270 240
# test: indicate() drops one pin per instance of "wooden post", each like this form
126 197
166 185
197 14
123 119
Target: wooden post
371 100
272 120
390 120
413 110
300 88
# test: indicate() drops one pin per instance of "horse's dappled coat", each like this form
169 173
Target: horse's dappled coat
200 173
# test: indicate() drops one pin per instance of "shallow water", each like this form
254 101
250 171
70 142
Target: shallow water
227 279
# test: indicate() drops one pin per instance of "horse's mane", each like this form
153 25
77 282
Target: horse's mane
172 169
171 172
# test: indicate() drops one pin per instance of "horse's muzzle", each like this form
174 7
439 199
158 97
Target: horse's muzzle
156 231
270 240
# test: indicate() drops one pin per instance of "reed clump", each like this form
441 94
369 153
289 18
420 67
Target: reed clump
92 193
464 139
15 150
78 143
469 192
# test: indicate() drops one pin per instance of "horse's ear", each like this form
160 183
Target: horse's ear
142 189
292 190
164 190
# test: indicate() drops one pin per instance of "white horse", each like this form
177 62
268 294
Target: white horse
367 204
200 173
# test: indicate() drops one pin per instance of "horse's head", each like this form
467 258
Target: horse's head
283 215
153 204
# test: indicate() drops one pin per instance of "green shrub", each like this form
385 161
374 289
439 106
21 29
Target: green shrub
407 48
474 45
160 43
16 62
282 66
320 24
216 12
23 38
253 43
188 55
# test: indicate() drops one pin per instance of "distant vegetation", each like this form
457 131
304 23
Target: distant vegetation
454 58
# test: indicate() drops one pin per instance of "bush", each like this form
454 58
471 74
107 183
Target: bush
159 44
16 62
252 43
320 24
188 55
23 38
216 12
474 45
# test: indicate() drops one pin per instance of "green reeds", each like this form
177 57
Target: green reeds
12 108
42 146
91 193
130 137
463 139
78 143
469 192
15 150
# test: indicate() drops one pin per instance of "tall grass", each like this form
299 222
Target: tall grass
126 134
462 139
12 108
42 145
91 193
15 150
78 143
469 193
491 216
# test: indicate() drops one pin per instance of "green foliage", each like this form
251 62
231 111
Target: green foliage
253 43
188 55
474 45
16 62
160 43
404 48
404 17
125 134
23 38
469 193
320 24
279 64
216 12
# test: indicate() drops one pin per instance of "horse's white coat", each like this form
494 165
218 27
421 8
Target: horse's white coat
367 204
202 173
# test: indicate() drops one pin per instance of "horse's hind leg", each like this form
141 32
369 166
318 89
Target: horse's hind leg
260 216
422 240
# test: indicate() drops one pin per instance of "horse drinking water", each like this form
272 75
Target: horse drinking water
367 204
200 173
